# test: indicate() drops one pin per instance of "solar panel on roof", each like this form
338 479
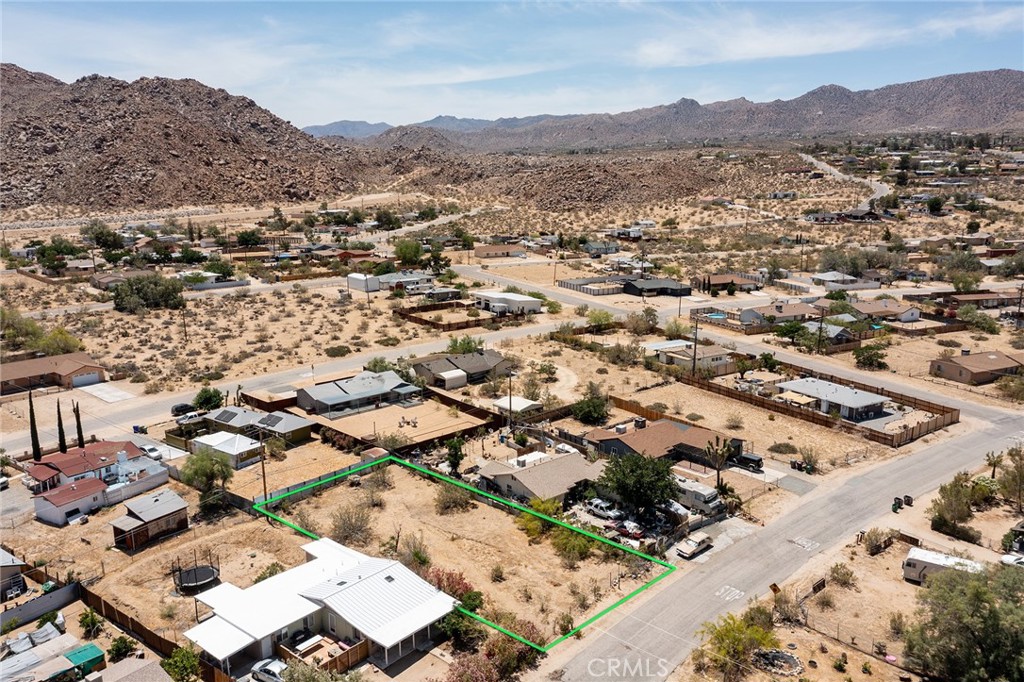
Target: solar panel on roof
224 416
272 420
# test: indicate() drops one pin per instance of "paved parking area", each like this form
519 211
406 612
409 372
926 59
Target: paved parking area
16 501
108 393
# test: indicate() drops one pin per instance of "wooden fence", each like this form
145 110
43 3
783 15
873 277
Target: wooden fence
412 315
339 663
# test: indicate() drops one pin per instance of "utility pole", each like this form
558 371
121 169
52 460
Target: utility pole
821 330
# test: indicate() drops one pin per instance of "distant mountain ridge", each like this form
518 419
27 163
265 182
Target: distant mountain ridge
983 100
353 130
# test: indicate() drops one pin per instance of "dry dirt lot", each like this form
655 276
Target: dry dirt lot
536 585
141 584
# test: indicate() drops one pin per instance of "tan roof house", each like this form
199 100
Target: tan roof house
977 368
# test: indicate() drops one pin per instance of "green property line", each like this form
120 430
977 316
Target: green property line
391 459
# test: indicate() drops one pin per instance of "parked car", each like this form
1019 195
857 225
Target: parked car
1012 560
693 544
4 482
187 418
748 461
180 409
603 509
269 670
152 451
631 529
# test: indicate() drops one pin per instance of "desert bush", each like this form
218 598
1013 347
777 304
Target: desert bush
825 600
304 520
783 448
897 624
268 572
694 417
564 623
787 608
571 546
811 459
760 615
842 575
734 422
337 351
413 552
451 499
497 573
351 525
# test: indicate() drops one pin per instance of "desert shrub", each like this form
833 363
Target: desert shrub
337 351
734 422
497 573
303 519
451 499
842 575
571 546
268 572
413 552
760 615
452 583
380 478
694 417
783 448
825 600
787 608
564 623
351 525
810 457
120 648
898 624
949 343
874 539
961 532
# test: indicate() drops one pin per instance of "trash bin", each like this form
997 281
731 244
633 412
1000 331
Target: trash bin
897 502
908 500
895 508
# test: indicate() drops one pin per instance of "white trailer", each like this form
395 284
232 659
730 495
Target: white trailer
698 497
365 283
921 563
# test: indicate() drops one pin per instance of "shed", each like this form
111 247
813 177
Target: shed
150 517
360 282
10 574
518 404
453 378
86 658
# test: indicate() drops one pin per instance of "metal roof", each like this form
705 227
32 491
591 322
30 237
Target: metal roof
230 443
833 393
283 422
8 559
155 506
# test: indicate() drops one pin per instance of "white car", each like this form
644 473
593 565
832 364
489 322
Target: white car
1013 560
152 451
693 545
603 509
269 670
188 418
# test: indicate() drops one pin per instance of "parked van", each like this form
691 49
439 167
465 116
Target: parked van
921 563
699 497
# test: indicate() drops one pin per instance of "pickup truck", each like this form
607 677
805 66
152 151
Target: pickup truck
693 545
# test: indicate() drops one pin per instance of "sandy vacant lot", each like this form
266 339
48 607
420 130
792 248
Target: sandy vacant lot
536 585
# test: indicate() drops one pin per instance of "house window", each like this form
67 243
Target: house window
331 624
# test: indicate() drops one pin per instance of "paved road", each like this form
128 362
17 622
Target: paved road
878 189
658 634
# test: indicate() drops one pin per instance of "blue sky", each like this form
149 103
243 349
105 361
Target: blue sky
403 62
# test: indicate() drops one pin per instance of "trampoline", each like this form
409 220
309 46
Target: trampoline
196 579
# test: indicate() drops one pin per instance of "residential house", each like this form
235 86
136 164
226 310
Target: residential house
365 389
406 280
241 450
150 518
832 277
977 368
655 287
713 359
834 334
498 251
456 370
596 286
440 294
990 264
350 601
561 478
69 370
663 438
978 239
501 303
721 283
131 670
600 248
233 420
826 218
782 195
861 215
58 505
95 460
991 299
887 309
851 403
633 233
290 428
105 281
777 313
12 583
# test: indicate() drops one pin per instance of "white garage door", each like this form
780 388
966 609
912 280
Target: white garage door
86 379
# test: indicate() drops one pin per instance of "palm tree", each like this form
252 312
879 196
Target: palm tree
993 460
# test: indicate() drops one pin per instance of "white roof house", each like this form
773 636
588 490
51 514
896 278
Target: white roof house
851 403
504 302
517 404
348 593
241 450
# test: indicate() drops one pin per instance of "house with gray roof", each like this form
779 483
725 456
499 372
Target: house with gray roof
232 419
365 389
852 404
291 428
562 478
456 370
833 333
10 574
149 518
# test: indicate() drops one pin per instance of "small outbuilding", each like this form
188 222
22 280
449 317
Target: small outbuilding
149 518
241 450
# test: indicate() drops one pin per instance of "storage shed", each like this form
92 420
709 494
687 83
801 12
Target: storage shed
150 517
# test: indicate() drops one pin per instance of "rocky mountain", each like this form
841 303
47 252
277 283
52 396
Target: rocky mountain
985 100
101 143
352 130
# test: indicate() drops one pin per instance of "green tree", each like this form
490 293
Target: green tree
789 330
871 356
78 425
62 441
973 226
182 665
731 640
387 220
249 238
593 408
676 329
458 345
953 503
101 235
641 482
409 252
643 322
533 525
33 430
90 622
994 460
972 626
208 398
975 318
137 294
208 472
599 319
1011 477
436 260
58 342
120 648
455 455
935 205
